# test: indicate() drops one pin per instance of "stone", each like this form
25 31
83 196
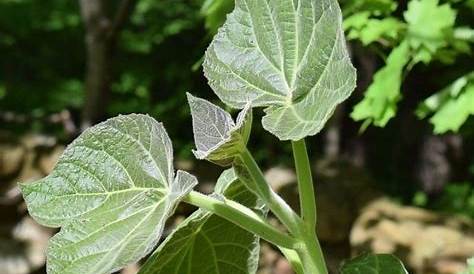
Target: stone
47 161
11 159
427 242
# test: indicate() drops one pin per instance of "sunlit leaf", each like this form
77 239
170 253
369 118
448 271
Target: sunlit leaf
428 24
380 100
207 244
287 56
369 30
450 106
111 192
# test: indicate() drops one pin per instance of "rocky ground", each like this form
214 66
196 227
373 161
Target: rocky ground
353 217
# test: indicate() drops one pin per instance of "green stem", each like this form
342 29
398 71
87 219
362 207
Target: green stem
275 203
305 184
241 216
311 254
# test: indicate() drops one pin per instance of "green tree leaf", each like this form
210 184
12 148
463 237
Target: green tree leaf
218 138
288 56
207 244
451 106
380 101
375 7
374 264
369 30
428 26
111 192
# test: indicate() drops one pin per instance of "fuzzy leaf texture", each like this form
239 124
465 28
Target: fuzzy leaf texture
288 56
111 192
374 264
450 107
380 100
207 244
217 137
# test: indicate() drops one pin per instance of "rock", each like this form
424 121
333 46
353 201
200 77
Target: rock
429 243
279 177
11 159
47 161
131 269
269 259
22 251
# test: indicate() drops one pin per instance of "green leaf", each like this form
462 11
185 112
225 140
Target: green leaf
369 30
218 138
375 7
207 244
374 264
215 12
111 192
451 106
380 100
428 27
288 56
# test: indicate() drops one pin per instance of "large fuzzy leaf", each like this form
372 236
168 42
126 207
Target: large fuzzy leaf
111 192
286 55
207 244
374 264
218 138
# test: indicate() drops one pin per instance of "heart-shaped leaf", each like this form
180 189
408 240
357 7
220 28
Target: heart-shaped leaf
207 244
289 56
111 192
218 138
374 264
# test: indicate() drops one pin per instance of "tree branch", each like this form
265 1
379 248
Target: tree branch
121 17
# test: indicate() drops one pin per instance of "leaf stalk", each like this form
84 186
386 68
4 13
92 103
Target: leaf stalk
241 216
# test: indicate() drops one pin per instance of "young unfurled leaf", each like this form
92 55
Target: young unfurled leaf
207 244
374 264
218 138
288 56
111 192
380 102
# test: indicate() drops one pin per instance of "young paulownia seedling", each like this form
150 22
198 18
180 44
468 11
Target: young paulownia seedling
115 186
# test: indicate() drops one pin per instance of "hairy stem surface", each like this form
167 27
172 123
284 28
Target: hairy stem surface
241 216
274 202
311 254
305 184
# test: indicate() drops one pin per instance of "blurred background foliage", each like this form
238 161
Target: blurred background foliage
408 128
409 124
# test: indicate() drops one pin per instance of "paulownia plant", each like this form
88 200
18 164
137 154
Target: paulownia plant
115 186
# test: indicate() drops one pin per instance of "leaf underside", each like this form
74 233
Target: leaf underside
374 264
111 192
207 244
289 56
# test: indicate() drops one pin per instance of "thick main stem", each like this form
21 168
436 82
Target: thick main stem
311 254
274 202
305 184
241 216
